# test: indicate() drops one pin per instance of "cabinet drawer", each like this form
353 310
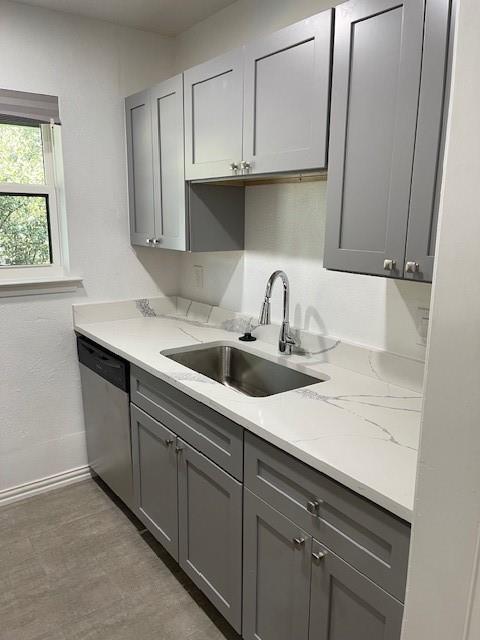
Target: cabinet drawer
367 537
218 438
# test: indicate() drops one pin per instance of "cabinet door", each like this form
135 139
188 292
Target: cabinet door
168 164
286 97
427 168
155 478
375 88
347 606
140 168
210 525
213 116
276 575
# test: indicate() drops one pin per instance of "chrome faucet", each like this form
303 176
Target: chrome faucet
285 340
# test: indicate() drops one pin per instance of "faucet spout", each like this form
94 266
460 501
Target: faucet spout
285 340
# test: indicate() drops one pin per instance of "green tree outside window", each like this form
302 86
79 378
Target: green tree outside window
24 226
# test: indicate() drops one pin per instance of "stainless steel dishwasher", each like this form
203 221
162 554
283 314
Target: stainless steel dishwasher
105 386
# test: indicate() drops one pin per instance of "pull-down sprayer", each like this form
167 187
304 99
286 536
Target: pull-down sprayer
285 340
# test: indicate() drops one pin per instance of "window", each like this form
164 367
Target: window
27 195
32 223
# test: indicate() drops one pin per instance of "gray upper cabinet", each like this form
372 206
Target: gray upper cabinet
210 530
428 161
376 79
347 606
138 114
286 98
389 62
156 179
168 164
155 478
263 108
165 211
276 574
213 117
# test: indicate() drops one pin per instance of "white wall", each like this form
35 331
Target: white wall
239 22
91 66
285 224
443 595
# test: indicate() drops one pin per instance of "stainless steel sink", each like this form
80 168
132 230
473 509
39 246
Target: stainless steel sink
243 371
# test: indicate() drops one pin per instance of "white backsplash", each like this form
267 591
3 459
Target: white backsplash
285 228
382 365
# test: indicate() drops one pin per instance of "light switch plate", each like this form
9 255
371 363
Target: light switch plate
198 276
423 317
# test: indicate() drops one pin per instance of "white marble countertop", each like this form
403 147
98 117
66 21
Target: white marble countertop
360 431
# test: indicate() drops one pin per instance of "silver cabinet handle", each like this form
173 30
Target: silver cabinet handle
319 556
157 241
169 442
389 265
149 240
412 267
313 506
299 542
234 166
246 166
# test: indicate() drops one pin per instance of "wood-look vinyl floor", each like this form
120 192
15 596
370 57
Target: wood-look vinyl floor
74 565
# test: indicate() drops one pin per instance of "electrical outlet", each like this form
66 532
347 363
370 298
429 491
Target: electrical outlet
423 316
198 276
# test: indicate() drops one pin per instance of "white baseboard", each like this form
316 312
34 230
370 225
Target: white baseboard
29 489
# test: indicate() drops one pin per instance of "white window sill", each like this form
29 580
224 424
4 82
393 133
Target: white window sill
38 286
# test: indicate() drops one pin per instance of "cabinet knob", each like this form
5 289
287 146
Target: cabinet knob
149 240
319 556
179 448
313 506
412 267
246 166
169 442
389 265
157 241
234 167
299 542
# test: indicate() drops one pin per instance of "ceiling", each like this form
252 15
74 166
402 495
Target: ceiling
167 17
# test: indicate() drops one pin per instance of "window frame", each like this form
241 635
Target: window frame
52 188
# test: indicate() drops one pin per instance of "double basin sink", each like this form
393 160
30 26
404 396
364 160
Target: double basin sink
241 370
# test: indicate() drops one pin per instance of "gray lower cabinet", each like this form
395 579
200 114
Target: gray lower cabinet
373 541
297 589
286 97
389 77
210 531
289 554
192 505
155 478
276 574
345 605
